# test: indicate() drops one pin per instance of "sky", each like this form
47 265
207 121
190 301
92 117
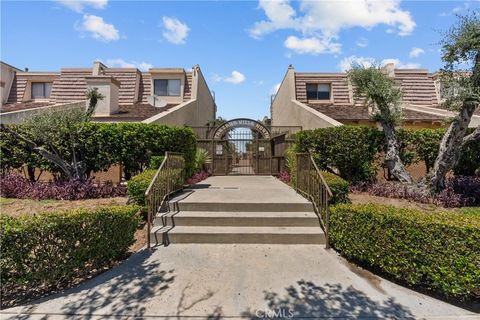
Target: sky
243 47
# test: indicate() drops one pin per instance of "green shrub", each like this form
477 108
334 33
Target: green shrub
102 145
155 162
338 186
137 186
437 251
350 150
53 250
353 151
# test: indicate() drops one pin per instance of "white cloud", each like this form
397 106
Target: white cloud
144 66
362 42
236 77
416 52
275 88
99 29
79 5
312 45
347 62
320 22
175 31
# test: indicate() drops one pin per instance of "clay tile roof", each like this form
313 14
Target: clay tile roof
343 112
134 112
9 107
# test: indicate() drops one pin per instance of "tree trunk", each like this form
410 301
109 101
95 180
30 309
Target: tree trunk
451 145
392 155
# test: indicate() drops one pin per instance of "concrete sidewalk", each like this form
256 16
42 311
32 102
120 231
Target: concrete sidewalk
251 281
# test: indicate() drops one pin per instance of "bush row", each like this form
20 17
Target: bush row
138 185
337 185
104 144
354 151
53 250
437 251
17 186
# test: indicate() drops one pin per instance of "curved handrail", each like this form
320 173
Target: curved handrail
168 179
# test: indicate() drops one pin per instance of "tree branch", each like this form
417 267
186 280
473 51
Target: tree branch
475 135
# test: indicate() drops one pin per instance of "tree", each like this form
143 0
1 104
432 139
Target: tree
460 47
56 135
380 93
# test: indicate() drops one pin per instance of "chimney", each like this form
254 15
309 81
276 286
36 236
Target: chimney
389 70
98 68
108 87
26 69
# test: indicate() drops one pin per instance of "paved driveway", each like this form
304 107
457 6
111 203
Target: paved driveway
251 281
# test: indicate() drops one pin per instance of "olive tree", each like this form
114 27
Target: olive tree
379 92
460 48
56 136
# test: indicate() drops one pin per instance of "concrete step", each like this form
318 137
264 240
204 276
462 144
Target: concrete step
185 205
270 235
233 219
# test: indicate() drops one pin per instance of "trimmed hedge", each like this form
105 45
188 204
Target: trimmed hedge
437 251
338 186
104 144
137 186
52 250
353 150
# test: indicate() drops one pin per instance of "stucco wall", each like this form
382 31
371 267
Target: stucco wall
287 111
23 115
7 75
195 112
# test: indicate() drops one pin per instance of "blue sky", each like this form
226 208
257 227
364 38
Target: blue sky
243 47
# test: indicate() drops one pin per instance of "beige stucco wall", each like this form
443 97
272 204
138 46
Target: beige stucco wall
169 76
23 115
195 112
7 73
107 87
287 111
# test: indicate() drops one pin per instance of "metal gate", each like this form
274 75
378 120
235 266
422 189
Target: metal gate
245 147
242 151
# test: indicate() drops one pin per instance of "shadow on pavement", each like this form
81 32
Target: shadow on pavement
309 300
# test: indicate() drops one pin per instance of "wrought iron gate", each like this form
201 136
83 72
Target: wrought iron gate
245 147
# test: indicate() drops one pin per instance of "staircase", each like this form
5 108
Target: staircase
251 209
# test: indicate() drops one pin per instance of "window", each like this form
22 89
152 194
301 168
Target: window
41 90
166 87
318 91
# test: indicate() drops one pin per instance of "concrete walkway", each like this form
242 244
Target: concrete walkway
213 281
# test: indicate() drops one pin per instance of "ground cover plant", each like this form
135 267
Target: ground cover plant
17 186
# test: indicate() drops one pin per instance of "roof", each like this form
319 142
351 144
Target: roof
417 85
9 107
134 112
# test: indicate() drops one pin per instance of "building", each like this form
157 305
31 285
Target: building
170 96
318 100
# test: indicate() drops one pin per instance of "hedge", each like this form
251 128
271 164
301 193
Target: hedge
104 144
52 250
137 186
354 150
437 251
338 186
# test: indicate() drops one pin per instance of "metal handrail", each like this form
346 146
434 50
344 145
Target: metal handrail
168 179
310 183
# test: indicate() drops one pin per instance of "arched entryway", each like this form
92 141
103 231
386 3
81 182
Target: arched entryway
242 147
